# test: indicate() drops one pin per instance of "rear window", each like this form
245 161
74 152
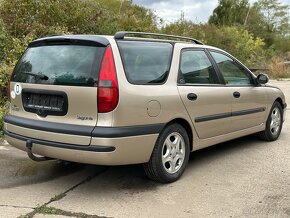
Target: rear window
146 62
74 65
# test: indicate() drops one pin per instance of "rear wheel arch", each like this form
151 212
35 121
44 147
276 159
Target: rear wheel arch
185 124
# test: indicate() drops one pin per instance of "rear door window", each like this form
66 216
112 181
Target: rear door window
146 62
74 65
196 68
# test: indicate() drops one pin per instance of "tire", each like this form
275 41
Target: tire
169 160
274 123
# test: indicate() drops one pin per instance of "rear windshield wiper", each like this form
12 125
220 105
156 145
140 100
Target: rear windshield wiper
37 75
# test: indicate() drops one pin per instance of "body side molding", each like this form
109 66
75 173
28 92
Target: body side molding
229 114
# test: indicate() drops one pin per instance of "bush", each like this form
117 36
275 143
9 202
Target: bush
3 111
240 43
1 120
277 68
12 50
5 72
235 40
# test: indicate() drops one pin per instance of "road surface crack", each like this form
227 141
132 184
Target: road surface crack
44 209
16 206
55 211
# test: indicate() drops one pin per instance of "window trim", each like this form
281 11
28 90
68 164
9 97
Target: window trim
220 84
247 71
151 41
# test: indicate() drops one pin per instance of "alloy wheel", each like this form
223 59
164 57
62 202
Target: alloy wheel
173 152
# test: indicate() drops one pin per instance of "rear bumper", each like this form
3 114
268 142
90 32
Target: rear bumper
108 145
126 150
60 145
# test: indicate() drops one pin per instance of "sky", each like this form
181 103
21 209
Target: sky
195 10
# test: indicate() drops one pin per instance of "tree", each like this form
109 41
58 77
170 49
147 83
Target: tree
269 19
266 19
255 22
42 17
237 41
275 15
229 13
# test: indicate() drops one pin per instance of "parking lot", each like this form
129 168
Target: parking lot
240 178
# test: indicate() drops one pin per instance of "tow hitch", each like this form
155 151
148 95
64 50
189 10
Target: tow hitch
29 145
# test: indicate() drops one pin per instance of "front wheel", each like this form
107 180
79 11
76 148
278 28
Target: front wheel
274 123
170 155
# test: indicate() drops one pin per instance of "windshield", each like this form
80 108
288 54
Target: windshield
75 65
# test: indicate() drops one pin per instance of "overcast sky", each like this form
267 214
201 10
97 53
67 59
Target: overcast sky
195 10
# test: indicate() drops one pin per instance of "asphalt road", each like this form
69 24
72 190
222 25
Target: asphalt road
241 178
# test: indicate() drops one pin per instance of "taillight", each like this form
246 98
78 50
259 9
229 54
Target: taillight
8 90
108 92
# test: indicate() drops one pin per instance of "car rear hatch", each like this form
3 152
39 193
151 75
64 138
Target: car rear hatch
54 89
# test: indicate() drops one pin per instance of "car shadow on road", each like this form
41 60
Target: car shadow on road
21 172
225 148
131 179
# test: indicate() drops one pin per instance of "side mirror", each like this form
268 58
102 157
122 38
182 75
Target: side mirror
262 78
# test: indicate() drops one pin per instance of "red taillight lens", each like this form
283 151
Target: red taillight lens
108 92
8 90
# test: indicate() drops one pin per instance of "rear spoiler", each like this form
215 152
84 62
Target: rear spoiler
92 40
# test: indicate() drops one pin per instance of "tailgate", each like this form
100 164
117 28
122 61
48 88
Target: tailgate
62 114
54 91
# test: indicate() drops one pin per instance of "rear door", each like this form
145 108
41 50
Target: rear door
249 101
56 82
207 101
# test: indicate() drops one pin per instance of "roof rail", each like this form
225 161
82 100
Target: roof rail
122 34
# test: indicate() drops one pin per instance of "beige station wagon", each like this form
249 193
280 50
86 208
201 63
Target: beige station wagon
115 100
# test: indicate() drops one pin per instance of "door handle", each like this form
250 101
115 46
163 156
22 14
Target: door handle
237 94
192 96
